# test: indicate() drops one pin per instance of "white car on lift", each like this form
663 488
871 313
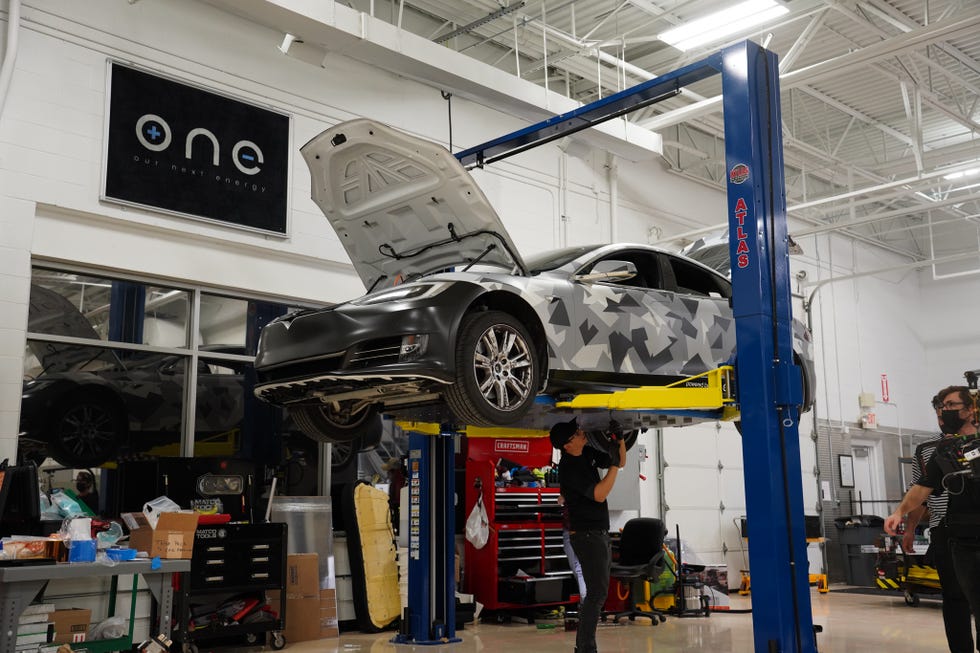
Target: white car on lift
456 325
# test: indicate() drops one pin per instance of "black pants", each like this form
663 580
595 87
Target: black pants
594 554
966 564
956 608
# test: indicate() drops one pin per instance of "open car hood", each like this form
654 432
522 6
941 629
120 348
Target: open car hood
402 206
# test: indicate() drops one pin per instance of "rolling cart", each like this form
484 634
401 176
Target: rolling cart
905 571
224 594
918 579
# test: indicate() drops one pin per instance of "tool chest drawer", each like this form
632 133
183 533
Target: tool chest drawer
250 556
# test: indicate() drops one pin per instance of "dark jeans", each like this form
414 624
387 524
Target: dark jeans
956 609
594 554
966 565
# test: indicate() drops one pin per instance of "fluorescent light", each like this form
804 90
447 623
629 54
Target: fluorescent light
962 173
720 24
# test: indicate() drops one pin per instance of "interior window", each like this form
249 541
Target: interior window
694 280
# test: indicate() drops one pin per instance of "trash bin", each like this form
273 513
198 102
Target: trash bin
852 533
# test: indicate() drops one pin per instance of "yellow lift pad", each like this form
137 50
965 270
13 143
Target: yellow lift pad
711 390
431 428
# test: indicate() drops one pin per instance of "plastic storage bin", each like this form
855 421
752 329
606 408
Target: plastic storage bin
853 532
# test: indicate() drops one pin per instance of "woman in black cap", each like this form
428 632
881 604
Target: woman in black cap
588 515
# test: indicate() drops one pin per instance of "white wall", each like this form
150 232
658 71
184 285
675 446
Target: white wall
864 327
948 319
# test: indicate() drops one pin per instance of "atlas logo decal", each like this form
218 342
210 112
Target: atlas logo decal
739 173
742 249
155 134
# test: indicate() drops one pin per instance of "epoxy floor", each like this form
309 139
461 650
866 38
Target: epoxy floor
852 623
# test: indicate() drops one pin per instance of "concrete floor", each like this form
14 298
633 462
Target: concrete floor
852 623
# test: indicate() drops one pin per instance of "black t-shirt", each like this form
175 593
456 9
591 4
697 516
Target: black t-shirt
963 508
577 476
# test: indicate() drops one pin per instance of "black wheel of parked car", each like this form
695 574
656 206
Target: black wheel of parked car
338 423
86 430
497 373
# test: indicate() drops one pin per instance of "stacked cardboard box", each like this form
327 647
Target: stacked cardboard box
311 612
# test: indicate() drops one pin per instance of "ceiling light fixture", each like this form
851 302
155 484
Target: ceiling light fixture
720 24
962 173
287 42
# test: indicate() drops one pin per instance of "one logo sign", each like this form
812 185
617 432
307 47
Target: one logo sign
739 173
511 446
884 388
185 150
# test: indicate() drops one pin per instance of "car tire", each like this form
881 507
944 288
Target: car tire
601 441
490 390
322 423
86 430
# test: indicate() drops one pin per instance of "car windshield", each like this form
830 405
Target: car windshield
715 256
555 258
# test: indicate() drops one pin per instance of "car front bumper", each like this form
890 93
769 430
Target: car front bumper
354 346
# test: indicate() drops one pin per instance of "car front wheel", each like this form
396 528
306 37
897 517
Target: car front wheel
497 373
338 422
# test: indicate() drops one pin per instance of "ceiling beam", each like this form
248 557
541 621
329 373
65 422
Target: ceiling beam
838 65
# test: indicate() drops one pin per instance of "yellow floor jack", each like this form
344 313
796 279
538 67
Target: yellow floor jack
745 585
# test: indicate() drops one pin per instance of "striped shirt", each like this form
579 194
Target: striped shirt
936 504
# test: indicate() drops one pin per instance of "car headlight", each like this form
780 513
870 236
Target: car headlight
401 293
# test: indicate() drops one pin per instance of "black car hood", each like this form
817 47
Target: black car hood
402 206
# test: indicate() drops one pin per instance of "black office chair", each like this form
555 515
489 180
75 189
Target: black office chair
641 559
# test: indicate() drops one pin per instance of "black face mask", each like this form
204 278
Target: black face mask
950 422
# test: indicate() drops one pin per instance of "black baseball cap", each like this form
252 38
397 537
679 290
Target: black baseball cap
562 432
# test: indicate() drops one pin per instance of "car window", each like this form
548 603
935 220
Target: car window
647 269
692 279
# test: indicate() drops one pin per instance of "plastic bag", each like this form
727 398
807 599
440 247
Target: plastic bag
111 628
477 525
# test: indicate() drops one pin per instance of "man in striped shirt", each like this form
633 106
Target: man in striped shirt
956 608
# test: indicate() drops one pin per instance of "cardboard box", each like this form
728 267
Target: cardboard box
329 626
70 626
173 538
311 613
302 576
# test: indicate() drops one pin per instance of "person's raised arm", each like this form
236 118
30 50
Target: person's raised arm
605 486
913 500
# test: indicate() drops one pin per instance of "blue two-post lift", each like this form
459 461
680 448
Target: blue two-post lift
770 390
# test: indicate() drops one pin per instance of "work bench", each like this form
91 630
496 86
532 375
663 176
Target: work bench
19 586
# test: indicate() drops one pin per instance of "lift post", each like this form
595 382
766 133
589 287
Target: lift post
770 386
770 389
431 614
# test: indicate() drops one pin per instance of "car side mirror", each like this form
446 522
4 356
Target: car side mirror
609 270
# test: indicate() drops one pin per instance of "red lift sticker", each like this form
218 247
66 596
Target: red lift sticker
742 249
739 173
